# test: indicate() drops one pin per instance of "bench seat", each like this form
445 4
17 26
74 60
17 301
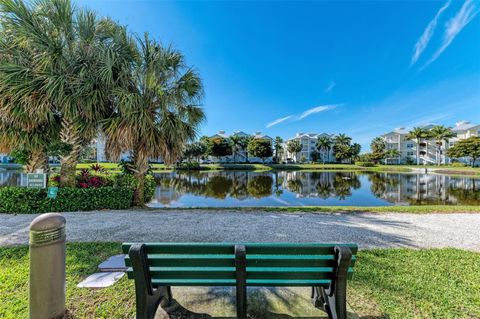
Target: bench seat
158 266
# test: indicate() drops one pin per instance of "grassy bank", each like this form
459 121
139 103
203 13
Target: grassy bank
393 283
308 167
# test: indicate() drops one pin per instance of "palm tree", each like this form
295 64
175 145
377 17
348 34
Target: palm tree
236 144
441 134
324 144
392 153
158 110
278 145
341 146
77 64
378 148
417 134
244 144
342 139
294 147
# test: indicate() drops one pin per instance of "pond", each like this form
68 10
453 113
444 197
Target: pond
299 188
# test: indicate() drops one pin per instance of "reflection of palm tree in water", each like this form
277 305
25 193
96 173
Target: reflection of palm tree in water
381 183
260 186
278 182
295 185
324 189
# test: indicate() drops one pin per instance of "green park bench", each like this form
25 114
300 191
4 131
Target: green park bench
156 267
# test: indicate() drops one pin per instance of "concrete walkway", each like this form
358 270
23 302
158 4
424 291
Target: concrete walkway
368 230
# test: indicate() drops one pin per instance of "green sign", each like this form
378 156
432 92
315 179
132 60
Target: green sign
52 192
37 180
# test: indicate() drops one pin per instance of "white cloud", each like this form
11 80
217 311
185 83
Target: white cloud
467 12
330 86
317 109
278 121
427 34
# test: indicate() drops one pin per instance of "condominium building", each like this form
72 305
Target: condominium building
241 155
397 139
308 141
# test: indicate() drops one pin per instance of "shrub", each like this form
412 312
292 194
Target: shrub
365 164
188 166
458 164
88 180
128 180
21 200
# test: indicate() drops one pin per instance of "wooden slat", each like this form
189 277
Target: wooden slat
172 260
192 272
250 282
256 273
193 282
252 248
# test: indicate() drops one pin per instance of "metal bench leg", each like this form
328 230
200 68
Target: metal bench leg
241 274
334 299
147 298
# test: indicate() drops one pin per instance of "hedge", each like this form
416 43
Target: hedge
22 200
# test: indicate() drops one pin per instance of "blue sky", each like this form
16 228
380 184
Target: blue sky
361 68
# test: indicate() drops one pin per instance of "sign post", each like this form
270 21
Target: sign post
36 180
52 192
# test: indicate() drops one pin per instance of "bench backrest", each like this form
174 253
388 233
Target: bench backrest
267 264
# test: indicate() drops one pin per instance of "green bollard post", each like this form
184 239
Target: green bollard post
47 267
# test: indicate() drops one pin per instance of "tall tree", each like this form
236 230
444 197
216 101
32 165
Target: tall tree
236 145
260 147
378 147
342 139
244 140
76 64
294 147
324 145
278 145
158 109
441 134
469 147
417 134
219 147
355 150
341 147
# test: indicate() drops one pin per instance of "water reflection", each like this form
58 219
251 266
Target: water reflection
294 188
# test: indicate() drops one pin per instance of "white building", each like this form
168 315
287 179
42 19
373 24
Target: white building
241 156
308 141
397 139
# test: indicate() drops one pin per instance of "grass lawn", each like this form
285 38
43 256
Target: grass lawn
394 283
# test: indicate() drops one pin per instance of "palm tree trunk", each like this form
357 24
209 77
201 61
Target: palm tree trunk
68 163
37 159
418 151
140 160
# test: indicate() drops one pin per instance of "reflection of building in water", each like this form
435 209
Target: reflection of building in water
398 188
166 195
421 188
321 184
13 179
